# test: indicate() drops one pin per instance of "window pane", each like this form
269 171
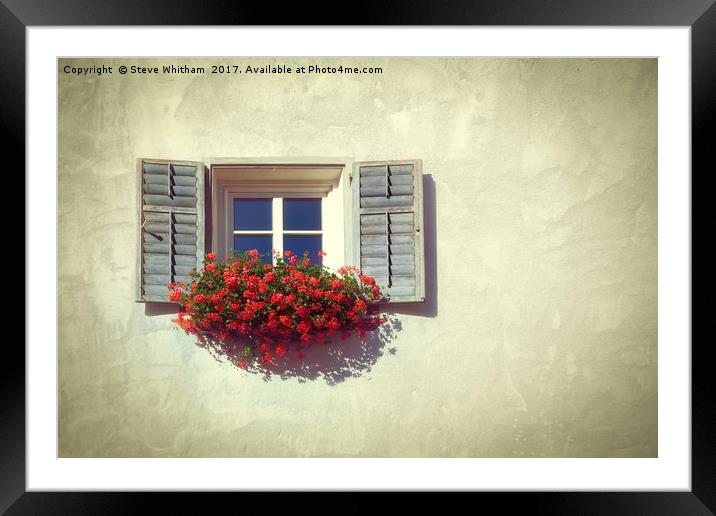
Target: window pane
301 214
300 243
262 243
252 214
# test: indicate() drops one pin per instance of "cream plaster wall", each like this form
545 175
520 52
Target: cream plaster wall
541 341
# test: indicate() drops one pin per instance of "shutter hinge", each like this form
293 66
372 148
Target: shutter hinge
350 177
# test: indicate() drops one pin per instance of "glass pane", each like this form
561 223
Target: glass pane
300 243
252 214
301 214
262 243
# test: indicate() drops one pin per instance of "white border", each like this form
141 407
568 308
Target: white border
670 471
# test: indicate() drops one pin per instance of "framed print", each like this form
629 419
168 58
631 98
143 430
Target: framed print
419 258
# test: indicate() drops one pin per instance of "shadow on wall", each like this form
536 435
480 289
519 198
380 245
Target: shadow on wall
151 309
428 308
333 362
208 223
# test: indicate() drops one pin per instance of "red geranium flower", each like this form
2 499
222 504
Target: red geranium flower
265 307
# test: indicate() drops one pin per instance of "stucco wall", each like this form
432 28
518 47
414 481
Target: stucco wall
540 335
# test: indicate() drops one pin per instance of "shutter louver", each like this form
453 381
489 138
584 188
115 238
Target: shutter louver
171 225
388 212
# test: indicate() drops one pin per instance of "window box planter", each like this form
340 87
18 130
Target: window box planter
270 309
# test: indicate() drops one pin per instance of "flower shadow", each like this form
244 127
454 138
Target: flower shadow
333 361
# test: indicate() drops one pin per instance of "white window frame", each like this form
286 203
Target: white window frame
327 178
277 231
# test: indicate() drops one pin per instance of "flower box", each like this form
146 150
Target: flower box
270 309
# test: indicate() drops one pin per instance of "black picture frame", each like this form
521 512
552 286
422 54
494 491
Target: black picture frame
16 15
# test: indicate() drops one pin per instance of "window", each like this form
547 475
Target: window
293 207
367 214
277 223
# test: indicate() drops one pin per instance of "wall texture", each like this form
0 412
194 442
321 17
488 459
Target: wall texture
540 337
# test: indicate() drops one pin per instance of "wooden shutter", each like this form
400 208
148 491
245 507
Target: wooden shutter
171 224
388 222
